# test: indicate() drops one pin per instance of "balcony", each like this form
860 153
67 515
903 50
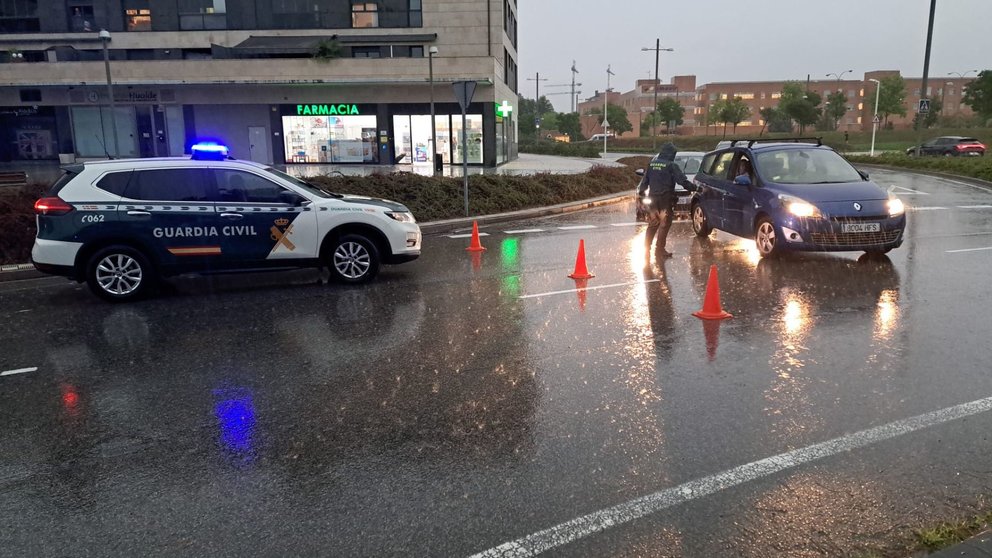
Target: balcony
198 22
251 71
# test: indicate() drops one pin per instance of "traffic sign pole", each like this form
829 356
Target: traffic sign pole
464 91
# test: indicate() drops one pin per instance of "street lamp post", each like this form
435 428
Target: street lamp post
105 39
961 76
874 119
840 75
654 119
430 68
606 107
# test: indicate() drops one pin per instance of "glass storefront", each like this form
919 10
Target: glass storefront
412 135
94 135
330 139
28 133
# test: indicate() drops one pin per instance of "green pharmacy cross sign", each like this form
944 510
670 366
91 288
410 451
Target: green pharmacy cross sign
504 110
327 110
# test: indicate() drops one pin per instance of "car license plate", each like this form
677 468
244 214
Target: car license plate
861 227
683 200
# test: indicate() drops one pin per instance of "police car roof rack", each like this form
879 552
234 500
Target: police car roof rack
752 141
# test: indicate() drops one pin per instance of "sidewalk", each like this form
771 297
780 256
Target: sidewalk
979 546
525 164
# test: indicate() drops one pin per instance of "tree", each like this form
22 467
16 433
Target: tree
733 112
716 114
617 117
569 123
527 110
776 120
836 108
670 110
328 49
892 97
800 105
978 95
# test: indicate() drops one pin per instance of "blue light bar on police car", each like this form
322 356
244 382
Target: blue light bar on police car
208 151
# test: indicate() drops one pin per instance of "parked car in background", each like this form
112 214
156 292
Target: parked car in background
689 162
950 146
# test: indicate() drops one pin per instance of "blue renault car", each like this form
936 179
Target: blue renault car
794 195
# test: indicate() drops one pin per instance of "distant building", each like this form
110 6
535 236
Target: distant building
245 73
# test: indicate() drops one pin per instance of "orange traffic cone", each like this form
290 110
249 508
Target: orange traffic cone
581 272
711 304
476 245
477 261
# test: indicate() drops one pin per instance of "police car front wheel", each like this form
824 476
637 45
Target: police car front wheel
354 259
119 273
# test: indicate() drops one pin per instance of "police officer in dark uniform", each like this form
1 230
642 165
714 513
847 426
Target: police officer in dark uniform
657 189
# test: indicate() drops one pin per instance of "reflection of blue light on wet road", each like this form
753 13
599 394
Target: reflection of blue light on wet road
235 413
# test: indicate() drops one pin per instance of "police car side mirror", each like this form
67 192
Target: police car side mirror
743 180
639 172
291 198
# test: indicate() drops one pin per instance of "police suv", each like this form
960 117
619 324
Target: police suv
120 225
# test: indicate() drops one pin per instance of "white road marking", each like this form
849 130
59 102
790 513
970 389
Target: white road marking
969 250
575 529
469 235
18 371
610 286
524 231
909 190
576 227
932 208
959 183
627 224
975 207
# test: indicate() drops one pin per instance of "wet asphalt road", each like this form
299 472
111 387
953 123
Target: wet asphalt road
438 413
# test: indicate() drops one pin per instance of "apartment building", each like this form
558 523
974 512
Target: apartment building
279 81
860 95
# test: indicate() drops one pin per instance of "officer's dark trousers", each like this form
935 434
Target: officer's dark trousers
659 222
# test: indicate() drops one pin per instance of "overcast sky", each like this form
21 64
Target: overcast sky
743 40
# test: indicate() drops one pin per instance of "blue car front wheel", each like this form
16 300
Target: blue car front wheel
765 238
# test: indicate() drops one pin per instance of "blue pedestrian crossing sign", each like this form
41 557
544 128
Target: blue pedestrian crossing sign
924 106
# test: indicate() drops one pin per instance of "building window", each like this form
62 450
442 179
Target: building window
745 96
202 14
416 13
138 15
762 94
364 15
509 71
861 94
30 95
861 106
81 18
19 16
366 52
776 95
509 23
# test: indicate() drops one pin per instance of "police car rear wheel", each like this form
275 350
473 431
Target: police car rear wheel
119 273
354 259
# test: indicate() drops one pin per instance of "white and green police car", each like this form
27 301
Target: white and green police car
120 225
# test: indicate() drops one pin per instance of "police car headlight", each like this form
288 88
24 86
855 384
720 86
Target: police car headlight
896 207
402 216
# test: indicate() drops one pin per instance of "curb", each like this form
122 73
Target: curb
448 225
927 172
18 272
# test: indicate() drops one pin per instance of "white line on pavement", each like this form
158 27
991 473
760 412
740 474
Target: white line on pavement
469 235
524 231
590 288
575 529
959 183
905 189
576 227
975 207
932 208
18 371
627 224
969 250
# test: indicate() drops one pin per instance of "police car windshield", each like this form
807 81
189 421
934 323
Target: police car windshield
311 188
805 166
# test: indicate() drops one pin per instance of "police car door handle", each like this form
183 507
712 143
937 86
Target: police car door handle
136 213
232 216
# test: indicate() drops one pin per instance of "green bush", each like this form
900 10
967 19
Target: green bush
587 150
435 198
974 167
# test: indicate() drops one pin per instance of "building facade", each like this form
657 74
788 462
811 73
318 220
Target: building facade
279 81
